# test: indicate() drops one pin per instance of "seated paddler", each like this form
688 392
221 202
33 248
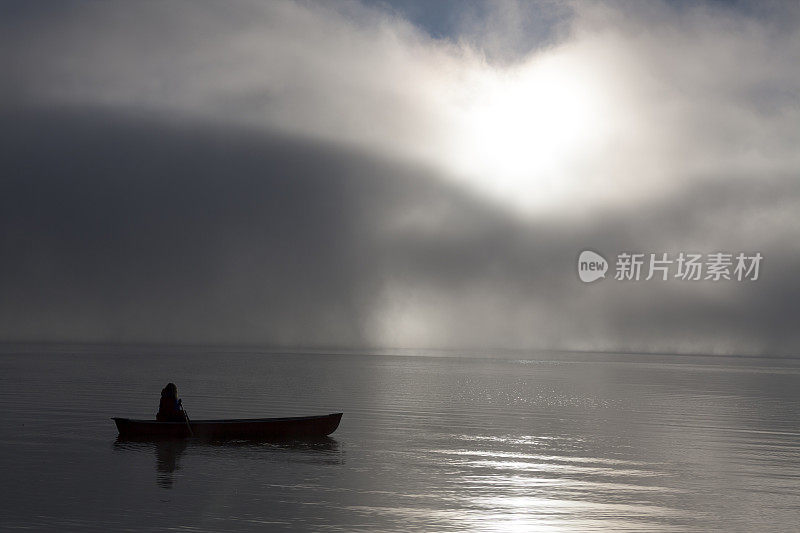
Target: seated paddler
169 408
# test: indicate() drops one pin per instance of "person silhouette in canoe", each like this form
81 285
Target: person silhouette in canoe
170 408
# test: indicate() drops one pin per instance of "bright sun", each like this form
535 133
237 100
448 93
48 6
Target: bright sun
524 134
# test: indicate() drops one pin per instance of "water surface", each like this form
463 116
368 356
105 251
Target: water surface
543 441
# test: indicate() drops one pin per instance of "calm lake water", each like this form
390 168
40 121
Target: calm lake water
539 442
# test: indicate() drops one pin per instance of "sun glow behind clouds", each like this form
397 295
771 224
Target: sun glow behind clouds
627 106
523 135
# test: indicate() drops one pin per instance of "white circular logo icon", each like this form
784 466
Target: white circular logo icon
591 266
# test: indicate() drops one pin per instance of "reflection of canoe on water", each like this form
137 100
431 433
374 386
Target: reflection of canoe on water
248 428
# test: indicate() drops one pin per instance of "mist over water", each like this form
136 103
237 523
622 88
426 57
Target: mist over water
354 176
542 441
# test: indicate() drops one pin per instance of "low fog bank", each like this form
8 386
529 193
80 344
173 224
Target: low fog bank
125 227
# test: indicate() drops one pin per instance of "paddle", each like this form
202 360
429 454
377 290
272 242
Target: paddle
186 418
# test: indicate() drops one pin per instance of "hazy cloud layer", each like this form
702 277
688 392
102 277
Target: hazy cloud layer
633 100
332 175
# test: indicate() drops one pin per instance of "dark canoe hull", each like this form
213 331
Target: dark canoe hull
251 428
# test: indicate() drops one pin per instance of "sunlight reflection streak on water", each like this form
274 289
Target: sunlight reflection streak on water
426 444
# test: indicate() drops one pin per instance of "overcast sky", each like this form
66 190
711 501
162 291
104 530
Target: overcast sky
397 174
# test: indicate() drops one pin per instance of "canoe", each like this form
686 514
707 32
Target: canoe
244 428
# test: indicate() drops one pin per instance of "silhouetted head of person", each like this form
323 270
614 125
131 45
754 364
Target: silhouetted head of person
170 391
